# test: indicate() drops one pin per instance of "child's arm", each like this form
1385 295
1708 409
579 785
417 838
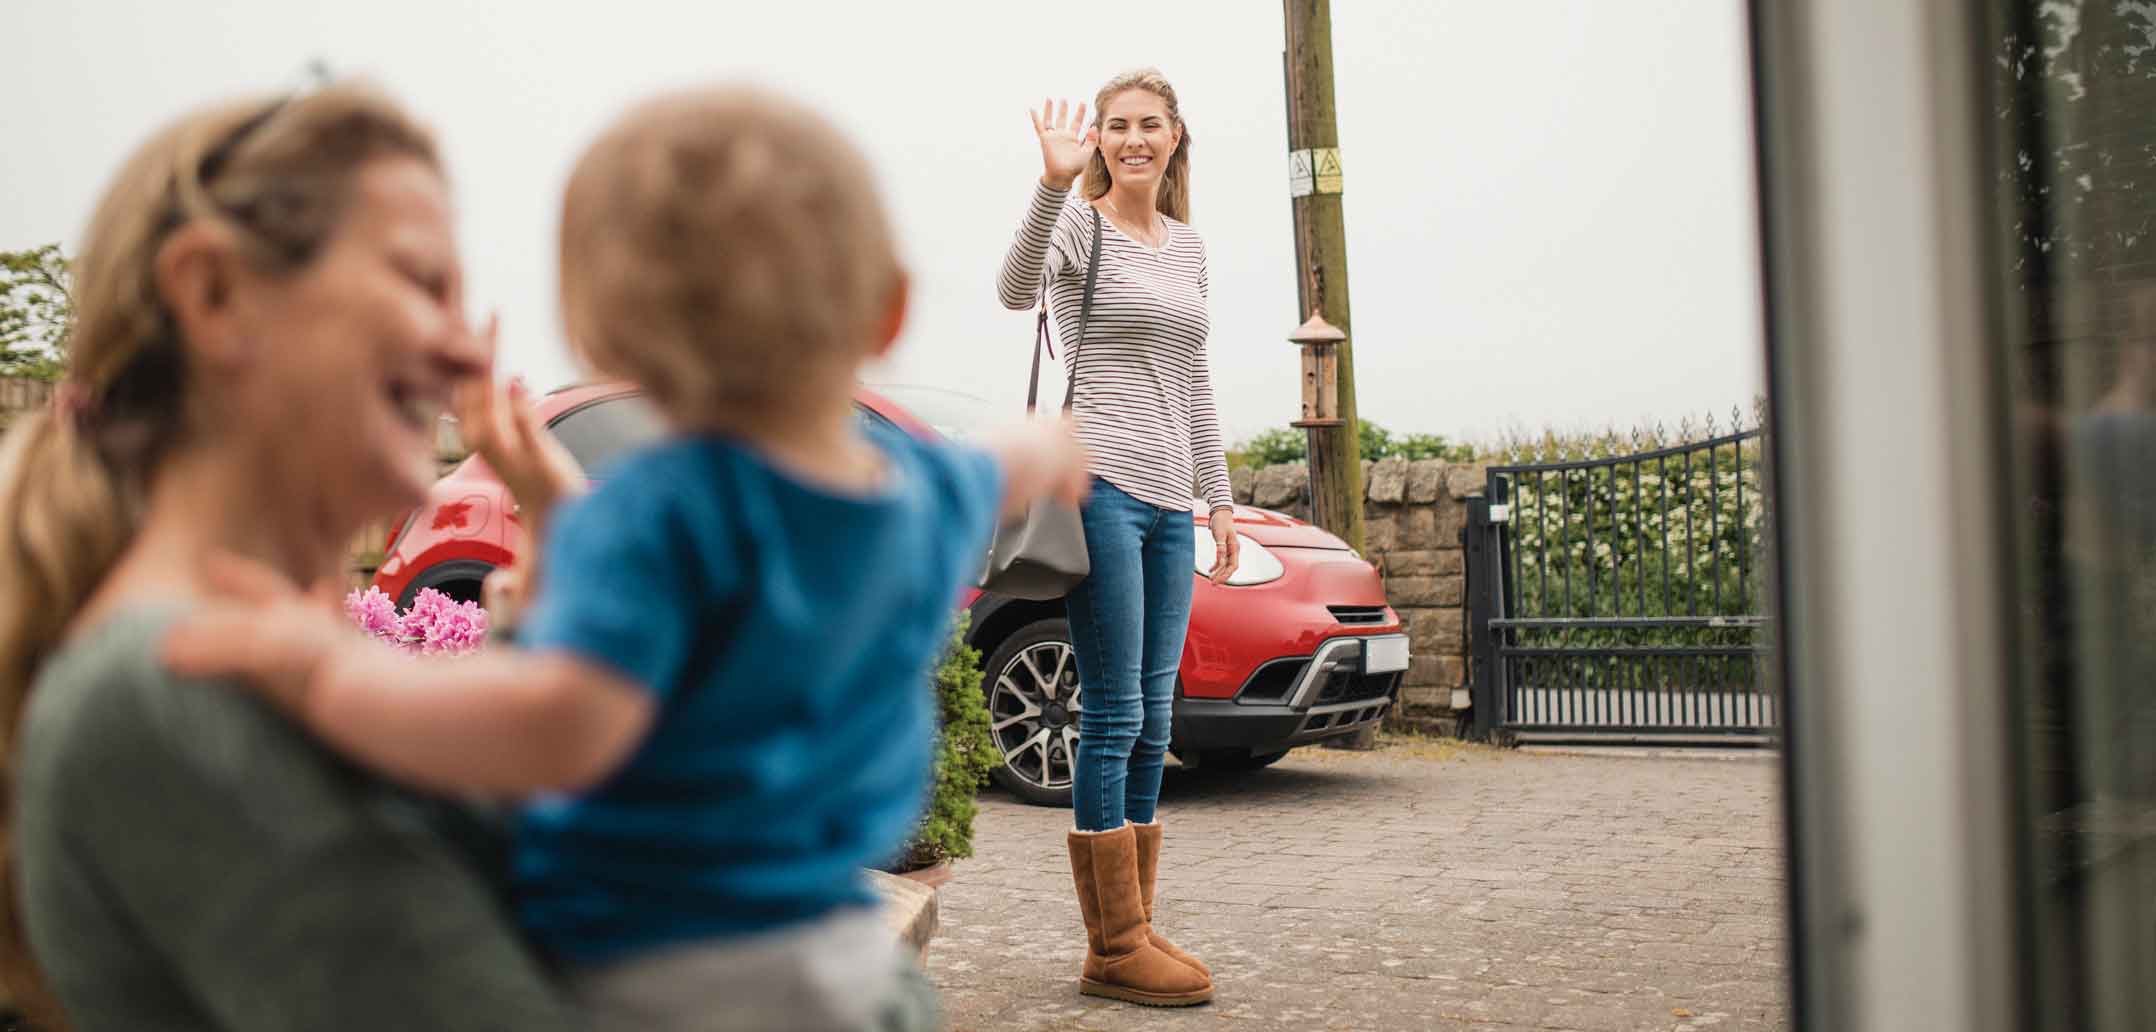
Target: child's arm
498 722
503 722
1041 459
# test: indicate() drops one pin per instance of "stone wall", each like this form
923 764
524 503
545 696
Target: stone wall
18 396
1413 513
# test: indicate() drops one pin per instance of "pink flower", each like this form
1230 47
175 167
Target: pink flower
435 625
438 624
375 613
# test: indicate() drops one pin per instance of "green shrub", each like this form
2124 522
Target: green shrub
1416 447
1373 442
965 753
1271 448
1288 444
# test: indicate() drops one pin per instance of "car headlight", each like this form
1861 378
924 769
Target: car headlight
1257 564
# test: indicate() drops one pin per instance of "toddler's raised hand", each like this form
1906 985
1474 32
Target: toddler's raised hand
500 424
1041 459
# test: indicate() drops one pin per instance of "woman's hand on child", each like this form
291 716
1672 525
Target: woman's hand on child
500 424
503 722
1067 142
259 628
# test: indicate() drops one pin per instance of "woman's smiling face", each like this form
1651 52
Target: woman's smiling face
1137 136
359 349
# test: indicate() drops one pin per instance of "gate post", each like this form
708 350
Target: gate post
1483 593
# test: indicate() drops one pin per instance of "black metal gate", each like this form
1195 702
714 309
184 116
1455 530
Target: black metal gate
1621 597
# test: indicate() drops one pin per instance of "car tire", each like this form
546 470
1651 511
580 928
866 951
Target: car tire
1227 760
1012 683
460 579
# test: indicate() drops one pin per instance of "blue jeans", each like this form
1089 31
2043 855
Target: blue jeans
1128 619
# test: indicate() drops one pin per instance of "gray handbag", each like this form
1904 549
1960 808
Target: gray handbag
1042 555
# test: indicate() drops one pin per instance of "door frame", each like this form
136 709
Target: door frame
1888 436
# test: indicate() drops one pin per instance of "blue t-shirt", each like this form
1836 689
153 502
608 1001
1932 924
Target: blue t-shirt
787 634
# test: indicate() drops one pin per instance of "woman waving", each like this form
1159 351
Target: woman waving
1144 409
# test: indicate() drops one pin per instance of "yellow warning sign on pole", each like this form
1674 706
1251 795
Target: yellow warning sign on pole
1327 162
1314 170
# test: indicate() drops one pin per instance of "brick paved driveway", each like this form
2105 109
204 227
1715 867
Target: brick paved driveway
1423 886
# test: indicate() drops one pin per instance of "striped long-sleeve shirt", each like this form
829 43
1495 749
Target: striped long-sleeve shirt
1145 396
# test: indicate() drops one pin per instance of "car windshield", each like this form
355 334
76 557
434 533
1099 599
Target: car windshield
953 414
599 432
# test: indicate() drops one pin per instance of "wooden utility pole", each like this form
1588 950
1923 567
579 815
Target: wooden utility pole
1321 256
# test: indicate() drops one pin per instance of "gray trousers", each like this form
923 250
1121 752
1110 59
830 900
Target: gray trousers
844 973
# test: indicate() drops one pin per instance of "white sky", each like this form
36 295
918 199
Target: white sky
1549 202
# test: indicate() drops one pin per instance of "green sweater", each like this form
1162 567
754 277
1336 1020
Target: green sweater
190 860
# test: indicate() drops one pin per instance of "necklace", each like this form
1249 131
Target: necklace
1163 230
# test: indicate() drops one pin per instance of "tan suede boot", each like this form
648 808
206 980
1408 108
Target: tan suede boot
1121 962
1148 873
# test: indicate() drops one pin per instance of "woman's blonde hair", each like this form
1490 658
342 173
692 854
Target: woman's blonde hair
280 175
726 249
1174 199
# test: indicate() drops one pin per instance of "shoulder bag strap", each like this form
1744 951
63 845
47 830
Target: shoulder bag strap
1040 340
1085 312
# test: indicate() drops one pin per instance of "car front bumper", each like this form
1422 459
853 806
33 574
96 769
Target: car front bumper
1214 724
1294 702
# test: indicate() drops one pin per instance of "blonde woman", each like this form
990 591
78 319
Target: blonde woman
1144 407
267 320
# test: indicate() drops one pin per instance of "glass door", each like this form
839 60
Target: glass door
1959 202
2070 171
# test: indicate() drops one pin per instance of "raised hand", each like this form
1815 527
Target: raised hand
1067 142
500 424
1041 459
1065 463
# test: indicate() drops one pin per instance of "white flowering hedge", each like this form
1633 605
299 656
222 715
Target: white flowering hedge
1645 538
1598 530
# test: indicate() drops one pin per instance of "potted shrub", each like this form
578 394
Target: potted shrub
964 755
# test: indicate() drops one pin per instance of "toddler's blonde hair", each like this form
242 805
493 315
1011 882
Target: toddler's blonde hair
727 250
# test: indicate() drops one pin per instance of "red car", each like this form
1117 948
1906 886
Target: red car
1299 646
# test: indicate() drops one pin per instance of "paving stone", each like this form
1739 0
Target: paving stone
1415 887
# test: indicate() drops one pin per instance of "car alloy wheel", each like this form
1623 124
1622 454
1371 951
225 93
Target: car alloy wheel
1033 707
